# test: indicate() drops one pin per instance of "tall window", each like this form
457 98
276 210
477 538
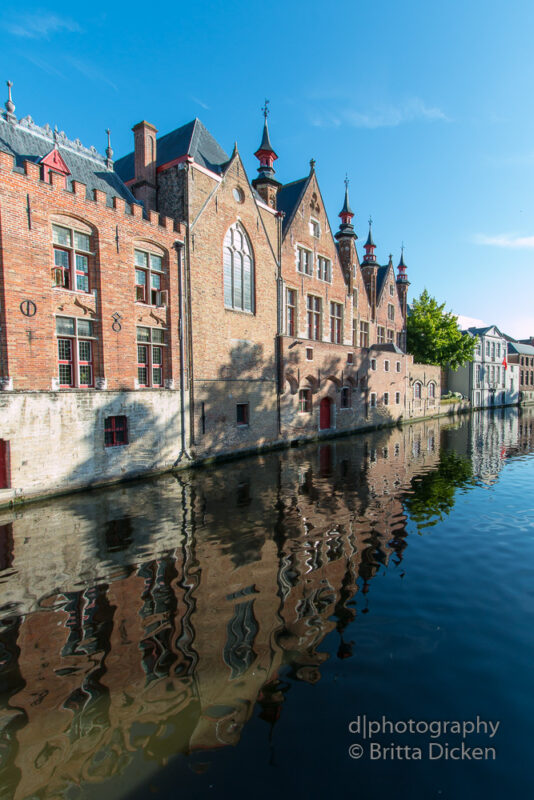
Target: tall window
391 311
345 397
355 333
380 335
315 228
238 268
364 334
150 343
390 335
75 339
324 269
149 279
314 317
432 390
71 258
291 325
305 401
304 261
417 390
336 323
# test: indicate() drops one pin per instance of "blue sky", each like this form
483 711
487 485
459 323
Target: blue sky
427 107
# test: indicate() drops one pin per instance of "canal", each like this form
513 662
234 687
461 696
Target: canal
297 625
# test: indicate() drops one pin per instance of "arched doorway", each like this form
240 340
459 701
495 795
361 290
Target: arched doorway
325 414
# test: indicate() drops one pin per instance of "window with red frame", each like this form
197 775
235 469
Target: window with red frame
336 323
148 278
291 312
115 431
75 342
71 258
150 344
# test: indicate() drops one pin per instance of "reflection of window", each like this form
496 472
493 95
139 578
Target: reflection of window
116 431
397 398
75 338
386 398
241 631
148 279
373 364
150 343
71 258
305 401
238 269
397 366
386 366
373 399
345 397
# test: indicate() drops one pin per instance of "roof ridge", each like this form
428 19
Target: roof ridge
58 138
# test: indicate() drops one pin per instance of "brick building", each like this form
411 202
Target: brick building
164 308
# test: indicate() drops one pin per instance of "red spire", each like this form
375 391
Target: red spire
402 277
265 153
370 247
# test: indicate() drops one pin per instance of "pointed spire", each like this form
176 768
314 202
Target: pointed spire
9 104
370 246
265 153
346 214
109 151
402 276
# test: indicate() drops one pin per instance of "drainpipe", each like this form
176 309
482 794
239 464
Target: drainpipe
279 322
183 449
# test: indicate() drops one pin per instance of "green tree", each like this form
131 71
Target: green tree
433 335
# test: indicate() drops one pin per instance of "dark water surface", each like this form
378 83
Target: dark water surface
214 634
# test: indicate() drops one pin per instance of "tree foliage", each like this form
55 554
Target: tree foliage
433 335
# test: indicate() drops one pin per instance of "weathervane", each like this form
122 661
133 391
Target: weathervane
265 108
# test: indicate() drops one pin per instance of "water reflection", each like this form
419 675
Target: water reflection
154 617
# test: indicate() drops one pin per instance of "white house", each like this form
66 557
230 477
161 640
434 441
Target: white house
489 380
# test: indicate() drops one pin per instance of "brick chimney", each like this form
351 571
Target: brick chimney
144 186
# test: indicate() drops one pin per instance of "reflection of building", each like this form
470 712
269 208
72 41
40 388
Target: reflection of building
487 438
182 603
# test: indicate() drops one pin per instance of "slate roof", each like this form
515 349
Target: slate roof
27 141
381 275
289 197
192 139
522 349
387 347
482 331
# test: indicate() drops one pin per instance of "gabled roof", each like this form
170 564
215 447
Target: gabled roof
27 141
289 197
381 275
483 331
192 139
387 347
522 349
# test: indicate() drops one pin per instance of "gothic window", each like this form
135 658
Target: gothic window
238 269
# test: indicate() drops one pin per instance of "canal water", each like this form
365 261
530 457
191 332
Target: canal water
246 629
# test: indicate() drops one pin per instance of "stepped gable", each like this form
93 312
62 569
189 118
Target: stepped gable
27 141
192 139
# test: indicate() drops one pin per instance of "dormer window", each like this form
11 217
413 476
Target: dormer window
315 228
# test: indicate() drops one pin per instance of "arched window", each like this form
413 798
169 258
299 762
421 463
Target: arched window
432 390
417 390
238 268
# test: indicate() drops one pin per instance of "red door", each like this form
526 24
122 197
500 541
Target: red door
325 413
4 466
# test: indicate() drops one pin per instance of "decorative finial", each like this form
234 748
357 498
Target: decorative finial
56 132
346 181
10 105
312 164
265 108
109 151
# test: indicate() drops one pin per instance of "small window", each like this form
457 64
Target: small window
291 322
386 398
380 334
373 400
324 269
391 291
390 336
373 363
391 311
386 366
345 397
397 449
355 298
238 194
242 414
309 354
397 398
350 358
397 366
315 228
116 431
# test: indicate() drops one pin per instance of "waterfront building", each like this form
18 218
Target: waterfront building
163 308
522 354
489 380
